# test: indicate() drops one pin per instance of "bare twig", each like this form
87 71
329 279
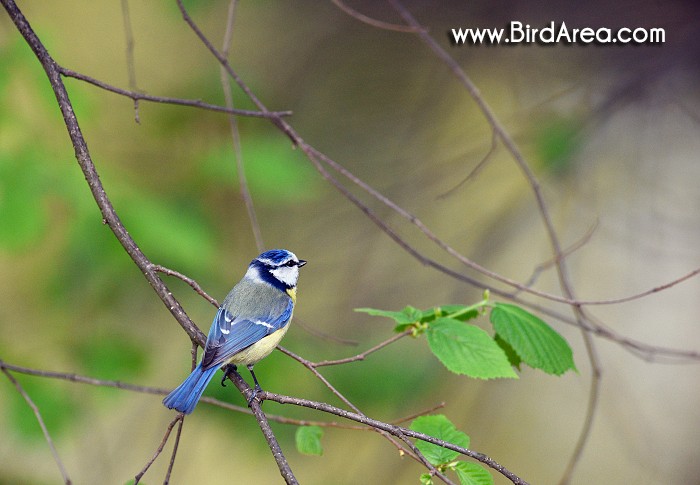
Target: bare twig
159 450
235 134
285 128
370 21
171 464
82 154
412 451
424 412
316 157
40 420
130 64
565 253
195 286
363 355
394 430
138 96
476 170
564 280
255 407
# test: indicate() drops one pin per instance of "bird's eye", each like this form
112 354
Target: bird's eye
290 263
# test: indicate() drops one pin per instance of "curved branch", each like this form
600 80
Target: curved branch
82 154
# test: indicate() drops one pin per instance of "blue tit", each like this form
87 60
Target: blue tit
248 326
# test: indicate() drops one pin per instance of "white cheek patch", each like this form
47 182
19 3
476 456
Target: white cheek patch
287 274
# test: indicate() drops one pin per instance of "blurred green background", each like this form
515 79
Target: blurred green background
611 131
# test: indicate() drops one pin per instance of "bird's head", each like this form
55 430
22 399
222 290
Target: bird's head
278 267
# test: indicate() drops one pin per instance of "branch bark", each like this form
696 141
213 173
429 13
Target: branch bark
82 155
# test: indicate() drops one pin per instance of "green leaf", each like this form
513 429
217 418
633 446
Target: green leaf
535 342
468 349
308 440
404 319
472 474
426 479
438 426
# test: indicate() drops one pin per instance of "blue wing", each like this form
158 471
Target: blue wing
229 334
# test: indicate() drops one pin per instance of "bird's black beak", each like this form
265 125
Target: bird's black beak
301 263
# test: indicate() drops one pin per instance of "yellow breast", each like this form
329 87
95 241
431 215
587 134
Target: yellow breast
260 349
292 292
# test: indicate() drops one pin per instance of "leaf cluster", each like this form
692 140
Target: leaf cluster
518 338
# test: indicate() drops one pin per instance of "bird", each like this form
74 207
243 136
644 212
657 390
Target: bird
249 324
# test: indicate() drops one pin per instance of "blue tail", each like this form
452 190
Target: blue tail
186 396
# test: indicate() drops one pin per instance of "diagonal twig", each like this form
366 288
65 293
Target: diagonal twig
40 420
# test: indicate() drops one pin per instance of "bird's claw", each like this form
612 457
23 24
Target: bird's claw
227 369
254 394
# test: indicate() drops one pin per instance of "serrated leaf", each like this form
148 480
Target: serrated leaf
468 349
438 426
308 440
535 342
472 474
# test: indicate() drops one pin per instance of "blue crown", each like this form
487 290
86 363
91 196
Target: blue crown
275 257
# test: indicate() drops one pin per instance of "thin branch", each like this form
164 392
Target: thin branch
130 64
255 406
235 135
246 390
40 420
424 412
476 170
171 464
540 268
370 21
275 119
139 96
159 450
394 430
281 124
66 376
129 35
82 155
562 271
195 286
324 335
363 355
310 366
315 156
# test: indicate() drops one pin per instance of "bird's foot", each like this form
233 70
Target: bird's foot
254 395
227 368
